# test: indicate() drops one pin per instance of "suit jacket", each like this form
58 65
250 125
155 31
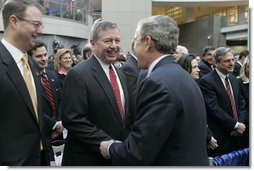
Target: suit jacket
219 111
204 68
47 110
90 113
19 129
170 128
131 71
237 69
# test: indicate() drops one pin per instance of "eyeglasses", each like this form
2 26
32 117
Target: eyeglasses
66 58
36 24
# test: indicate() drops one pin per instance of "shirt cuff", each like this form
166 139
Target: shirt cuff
236 125
54 127
108 149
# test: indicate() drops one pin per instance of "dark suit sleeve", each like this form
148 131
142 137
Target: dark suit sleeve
241 103
155 115
75 109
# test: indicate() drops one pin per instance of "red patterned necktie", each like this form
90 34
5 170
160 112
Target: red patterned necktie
115 87
231 97
49 93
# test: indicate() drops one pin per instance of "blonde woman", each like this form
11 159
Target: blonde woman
63 64
244 81
244 86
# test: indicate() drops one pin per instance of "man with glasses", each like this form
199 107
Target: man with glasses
21 123
206 64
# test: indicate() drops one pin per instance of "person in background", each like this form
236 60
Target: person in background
79 58
180 51
170 126
63 64
207 63
239 62
74 60
23 141
95 100
51 115
131 71
87 51
120 60
190 64
244 86
225 106
198 58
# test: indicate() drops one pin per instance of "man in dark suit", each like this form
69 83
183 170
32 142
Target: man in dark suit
21 123
226 126
51 113
91 112
131 71
206 65
239 62
170 127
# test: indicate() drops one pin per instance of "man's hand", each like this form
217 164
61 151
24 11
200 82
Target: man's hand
239 130
59 127
104 147
58 130
212 144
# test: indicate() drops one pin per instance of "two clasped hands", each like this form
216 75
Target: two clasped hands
104 147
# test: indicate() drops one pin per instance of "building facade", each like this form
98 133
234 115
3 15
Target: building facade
201 22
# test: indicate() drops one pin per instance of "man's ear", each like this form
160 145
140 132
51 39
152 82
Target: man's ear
148 42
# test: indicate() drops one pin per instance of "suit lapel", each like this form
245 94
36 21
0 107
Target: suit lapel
38 87
15 76
102 79
221 85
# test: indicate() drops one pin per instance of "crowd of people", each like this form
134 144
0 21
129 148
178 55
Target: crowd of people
158 105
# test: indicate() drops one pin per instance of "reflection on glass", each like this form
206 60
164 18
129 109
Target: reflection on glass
77 10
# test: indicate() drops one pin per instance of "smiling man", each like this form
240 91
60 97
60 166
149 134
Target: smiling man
170 126
226 115
94 102
21 124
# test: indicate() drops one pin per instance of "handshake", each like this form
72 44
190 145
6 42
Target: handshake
104 147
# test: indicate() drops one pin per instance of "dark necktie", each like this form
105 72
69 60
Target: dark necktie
231 97
49 93
115 87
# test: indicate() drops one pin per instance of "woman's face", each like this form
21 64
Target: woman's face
66 60
195 70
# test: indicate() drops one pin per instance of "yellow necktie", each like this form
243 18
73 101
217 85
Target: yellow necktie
28 80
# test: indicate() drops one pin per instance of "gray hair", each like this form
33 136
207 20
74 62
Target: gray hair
220 52
18 8
182 49
100 26
163 30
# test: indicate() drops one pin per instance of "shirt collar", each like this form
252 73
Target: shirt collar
222 76
15 53
150 69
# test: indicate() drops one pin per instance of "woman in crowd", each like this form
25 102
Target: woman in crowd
244 85
190 64
63 64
